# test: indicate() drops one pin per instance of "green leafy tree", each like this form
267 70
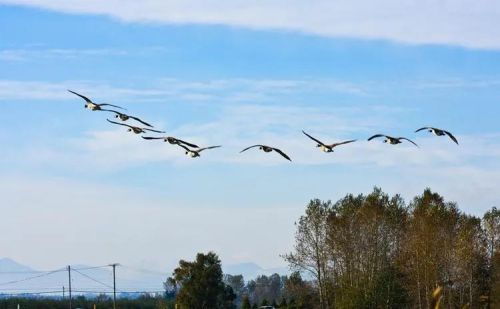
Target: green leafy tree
245 303
200 284
283 303
299 293
237 283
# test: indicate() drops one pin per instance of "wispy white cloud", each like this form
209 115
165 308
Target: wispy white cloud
461 22
234 90
239 125
235 127
55 53
57 91
458 83
221 90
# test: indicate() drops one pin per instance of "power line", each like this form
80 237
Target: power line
31 278
124 292
28 289
31 293
24 272
93 279
81 290
47 271
90 267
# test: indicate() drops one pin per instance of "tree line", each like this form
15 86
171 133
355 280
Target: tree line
366 251
100 302
376 251
363 251
200 284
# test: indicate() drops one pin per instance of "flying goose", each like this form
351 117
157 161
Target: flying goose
125 117
91 105
136 130
196 153
438 132
324 147
171 140
269 149
392 140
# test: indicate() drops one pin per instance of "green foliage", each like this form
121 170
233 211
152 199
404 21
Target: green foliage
145 302
237 283
283 303
245 304
200 284
299 293
265 287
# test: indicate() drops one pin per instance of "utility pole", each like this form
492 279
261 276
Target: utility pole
63 293
114 283
69 285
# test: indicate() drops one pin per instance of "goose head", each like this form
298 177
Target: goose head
129 129
117 116
386 140
86 106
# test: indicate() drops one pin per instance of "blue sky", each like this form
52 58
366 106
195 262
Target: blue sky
70 180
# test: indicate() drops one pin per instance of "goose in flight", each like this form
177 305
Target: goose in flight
327 148
125 117
136 130
392 140
269 149
171 140
439 132
91 105
196 153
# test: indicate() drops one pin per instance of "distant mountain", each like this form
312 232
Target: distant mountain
17 278
8 265
251 270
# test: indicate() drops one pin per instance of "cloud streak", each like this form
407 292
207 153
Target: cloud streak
56 53
237 90
461 22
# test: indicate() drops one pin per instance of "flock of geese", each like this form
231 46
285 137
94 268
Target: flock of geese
193 150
